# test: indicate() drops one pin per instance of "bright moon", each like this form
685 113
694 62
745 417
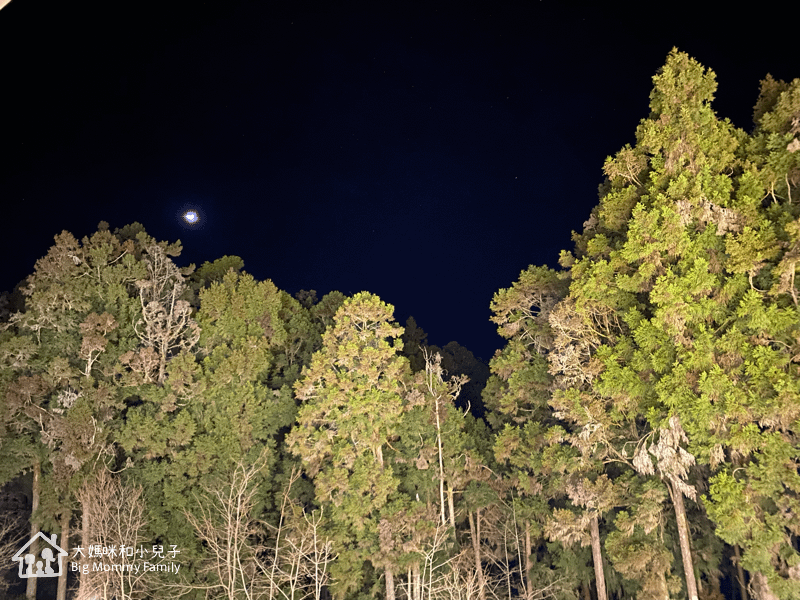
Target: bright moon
190 216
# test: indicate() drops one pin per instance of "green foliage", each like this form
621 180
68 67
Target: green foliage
211 272
352 408
81 310
678 336
660 361
215 410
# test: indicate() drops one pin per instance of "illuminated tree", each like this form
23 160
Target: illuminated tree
214 411
60 394
680 332
352 396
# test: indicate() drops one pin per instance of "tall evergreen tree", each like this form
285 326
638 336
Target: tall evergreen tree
81 307
680 258
748 413
215 410
352 396
674 353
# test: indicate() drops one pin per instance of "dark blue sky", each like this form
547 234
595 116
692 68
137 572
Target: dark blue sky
426 152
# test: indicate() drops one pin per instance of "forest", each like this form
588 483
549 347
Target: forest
192 432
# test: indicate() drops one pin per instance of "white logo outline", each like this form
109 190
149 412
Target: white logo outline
46 555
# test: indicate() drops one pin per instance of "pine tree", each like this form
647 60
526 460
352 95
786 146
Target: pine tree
352 396
693 268
215 410
78 320
749 408
543 383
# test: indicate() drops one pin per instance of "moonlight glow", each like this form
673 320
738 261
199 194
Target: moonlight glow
191 217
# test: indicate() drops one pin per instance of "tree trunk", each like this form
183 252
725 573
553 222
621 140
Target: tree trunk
740 572
85 543
379 456
417 582
585 591
683 536
528 560
30 590
451 507
441 462
597 558
61 592
389 583
475 532
162 363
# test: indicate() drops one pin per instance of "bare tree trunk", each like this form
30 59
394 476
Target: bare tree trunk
450 506
683 536
61 592
740 572
30 591
417 582
389 583
475 533
597 558
585 591
85 542
528 560
441 462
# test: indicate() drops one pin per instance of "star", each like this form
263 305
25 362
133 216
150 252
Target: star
190 216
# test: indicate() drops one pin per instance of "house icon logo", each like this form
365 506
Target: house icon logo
31 565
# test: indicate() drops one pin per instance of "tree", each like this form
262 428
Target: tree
352 396
59 391
694 268
531 439
117 522
415 343
299 558
673 352
215 410
211 272
751 396
224 522
458 361
648 277
166 325
436 457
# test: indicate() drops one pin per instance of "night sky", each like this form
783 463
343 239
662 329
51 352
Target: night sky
425 152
